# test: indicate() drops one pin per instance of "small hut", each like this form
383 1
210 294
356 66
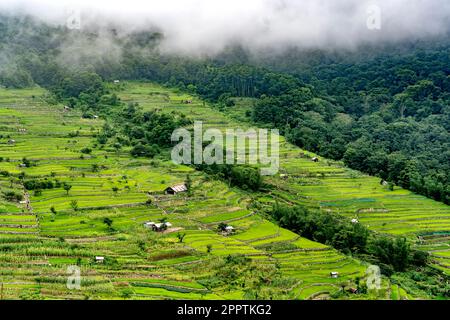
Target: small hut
229 229
99 259
334 274
176 189
11 142
158 226
149 225
315 159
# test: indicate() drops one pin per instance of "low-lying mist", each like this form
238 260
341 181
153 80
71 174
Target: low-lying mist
206 27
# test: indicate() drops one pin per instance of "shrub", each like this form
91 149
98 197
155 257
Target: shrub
86 150
4 173
13 196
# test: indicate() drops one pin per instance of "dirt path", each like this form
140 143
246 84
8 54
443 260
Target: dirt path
29 208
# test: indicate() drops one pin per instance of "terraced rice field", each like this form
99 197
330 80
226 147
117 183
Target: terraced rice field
44 234
325 185
37 245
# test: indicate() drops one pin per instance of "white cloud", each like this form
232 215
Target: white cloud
209 25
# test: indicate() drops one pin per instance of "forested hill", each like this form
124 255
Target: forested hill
385 113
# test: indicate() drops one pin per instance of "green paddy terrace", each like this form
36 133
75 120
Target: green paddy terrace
37 246
325 185
45 233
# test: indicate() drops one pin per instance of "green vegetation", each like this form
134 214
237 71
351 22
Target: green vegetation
390 253
385 114
190 260
245 177
84 164
384 111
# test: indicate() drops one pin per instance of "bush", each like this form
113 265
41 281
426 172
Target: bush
39 184
13 196
141 150
390 253
420 258
4 173
241 176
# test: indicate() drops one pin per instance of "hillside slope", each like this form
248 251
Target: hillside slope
57 229
46 230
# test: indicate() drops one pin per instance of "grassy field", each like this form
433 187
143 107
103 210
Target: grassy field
41 237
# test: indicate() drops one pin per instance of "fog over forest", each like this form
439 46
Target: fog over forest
207 27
